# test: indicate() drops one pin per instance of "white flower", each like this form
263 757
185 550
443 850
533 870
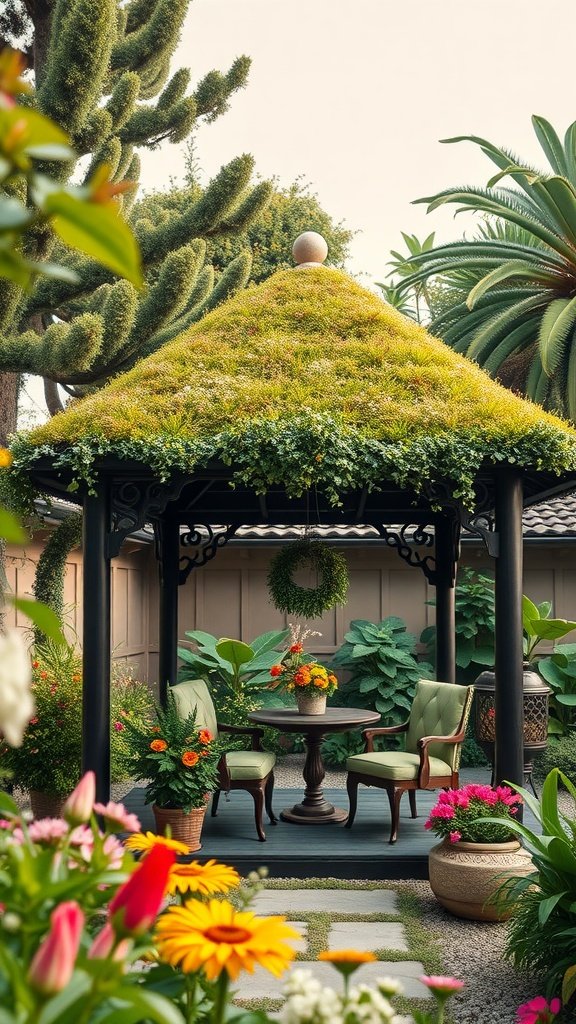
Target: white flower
389 986
16 703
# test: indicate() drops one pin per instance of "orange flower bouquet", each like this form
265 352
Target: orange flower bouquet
306 678
178 760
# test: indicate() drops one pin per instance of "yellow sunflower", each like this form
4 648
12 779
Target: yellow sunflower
213 937
205 879
145 841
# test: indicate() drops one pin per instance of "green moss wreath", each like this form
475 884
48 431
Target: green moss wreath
308 602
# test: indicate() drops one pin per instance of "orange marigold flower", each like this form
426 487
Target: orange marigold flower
158 746
321 683
348 956
5 458
205 736
276 670
190 758
43 675
332 679
76 677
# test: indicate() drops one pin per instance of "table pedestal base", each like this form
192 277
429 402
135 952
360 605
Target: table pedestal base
302 815
314 809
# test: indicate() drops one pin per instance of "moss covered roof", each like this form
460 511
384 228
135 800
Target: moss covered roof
289 375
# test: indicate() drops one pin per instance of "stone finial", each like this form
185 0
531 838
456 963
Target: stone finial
309 250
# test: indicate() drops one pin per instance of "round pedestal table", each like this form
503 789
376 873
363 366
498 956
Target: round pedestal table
314 809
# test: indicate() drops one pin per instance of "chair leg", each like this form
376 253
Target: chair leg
352 787
258 797
394 796
268 791
412 799
215 799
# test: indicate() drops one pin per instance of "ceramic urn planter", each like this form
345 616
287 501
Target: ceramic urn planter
465 876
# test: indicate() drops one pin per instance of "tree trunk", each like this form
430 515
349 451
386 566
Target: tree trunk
9 387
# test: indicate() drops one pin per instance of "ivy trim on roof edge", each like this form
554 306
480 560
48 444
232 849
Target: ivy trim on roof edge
314 450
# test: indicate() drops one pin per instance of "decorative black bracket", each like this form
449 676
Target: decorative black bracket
206 541
406 541
479 523
134 502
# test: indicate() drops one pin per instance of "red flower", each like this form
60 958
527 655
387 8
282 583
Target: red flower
205 736
296 648
35 664
136 904
276 670
43 675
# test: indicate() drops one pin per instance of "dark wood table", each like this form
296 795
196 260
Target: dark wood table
314 809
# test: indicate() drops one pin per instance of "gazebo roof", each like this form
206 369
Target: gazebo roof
306 379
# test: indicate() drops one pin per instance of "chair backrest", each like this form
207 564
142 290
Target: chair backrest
437 710
194 695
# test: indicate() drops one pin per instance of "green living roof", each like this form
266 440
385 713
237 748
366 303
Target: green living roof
307 378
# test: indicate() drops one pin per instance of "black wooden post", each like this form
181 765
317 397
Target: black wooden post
168 564
445 607
96 639
508 748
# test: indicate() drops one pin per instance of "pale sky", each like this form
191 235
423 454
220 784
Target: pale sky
354 95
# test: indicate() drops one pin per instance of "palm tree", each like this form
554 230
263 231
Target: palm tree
402 267
514 284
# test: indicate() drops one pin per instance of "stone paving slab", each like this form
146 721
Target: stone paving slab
334 901
263 985
301 945
367 935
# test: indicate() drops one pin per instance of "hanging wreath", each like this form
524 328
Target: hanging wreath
331 570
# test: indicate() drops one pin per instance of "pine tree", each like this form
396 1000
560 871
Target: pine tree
102 71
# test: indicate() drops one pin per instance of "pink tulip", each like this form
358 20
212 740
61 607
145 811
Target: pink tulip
105 942
80 803
53 963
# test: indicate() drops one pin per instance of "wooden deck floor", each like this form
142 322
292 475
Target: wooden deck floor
302 851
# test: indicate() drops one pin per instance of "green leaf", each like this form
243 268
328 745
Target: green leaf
568 699
546 907
552 629
234 651
569 985
96 229
10 528
7 805
41 615
75 992
14 216
529 613
268 641
142 1003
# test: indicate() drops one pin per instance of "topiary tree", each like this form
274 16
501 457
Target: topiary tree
101 71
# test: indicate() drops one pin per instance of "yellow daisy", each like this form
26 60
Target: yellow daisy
145 841
205 879
213 937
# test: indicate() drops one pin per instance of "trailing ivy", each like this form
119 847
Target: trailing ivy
309 602
49 579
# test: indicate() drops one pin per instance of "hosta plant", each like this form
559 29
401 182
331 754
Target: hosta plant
474 607
384 670
232 667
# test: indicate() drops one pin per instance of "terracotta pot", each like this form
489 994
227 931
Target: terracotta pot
186 827
464 876
310 705
46 805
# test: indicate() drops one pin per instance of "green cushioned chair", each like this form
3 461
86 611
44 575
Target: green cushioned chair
252 770
431 758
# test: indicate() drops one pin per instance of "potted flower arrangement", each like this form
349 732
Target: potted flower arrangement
179 762
476 853
311 682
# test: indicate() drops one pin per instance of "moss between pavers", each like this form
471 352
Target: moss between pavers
423 943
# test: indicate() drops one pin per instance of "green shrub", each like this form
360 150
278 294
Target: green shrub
560 753
474 605
51 753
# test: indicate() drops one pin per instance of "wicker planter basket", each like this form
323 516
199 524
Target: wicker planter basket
46 805
310 705
186 827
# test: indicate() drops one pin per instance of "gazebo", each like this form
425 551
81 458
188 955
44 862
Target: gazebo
305 399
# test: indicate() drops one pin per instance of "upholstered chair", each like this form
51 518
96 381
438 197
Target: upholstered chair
434 733
252 770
